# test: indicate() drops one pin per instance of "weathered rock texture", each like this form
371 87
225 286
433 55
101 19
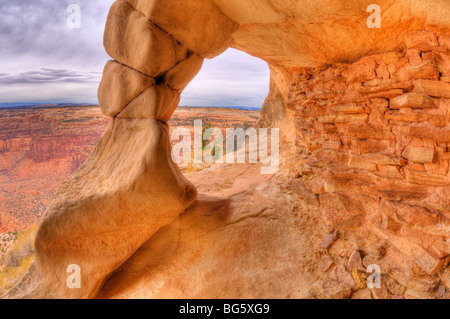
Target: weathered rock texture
219 247
129 187
374 135
368 110
39 148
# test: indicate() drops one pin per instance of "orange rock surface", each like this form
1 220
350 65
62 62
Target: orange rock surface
38 149
364 119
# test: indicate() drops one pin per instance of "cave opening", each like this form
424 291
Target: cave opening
223 102
232 79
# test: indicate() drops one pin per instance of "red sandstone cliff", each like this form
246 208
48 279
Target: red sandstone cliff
39 148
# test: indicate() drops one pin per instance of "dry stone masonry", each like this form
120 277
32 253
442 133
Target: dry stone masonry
373 140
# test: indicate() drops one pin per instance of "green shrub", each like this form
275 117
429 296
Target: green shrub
15 263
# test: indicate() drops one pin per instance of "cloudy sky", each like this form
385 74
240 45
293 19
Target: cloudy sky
42 60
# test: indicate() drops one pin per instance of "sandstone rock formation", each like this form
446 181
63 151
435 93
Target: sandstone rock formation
38 149
367 110
219 247
376 142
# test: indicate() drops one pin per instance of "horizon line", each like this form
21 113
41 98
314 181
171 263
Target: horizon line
4 106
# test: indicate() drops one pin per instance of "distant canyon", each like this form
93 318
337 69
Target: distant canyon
40 147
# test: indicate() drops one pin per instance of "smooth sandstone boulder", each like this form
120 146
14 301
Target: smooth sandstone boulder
179 77
197 24
157 102
235 243
126 191
119 86
135 41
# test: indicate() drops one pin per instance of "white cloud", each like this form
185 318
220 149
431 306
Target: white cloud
34 38
231 79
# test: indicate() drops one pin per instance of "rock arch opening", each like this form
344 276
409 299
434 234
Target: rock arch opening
224 100
232 79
